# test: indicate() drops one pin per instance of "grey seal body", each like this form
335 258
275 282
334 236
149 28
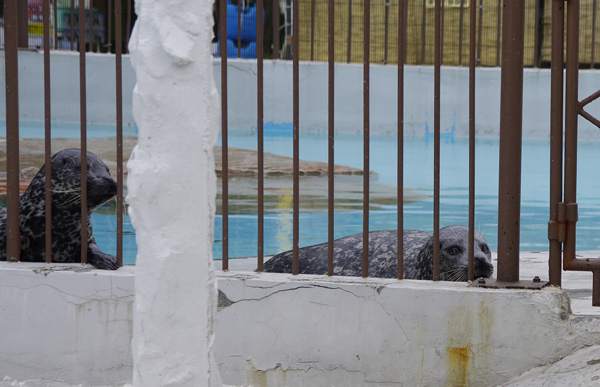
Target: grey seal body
418 256
66 211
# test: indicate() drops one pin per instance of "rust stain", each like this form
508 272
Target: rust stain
459 359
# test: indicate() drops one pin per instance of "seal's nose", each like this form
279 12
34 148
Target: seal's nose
482 267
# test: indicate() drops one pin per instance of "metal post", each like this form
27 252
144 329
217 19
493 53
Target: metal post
224 145
260 144
331 111
47 133
511 113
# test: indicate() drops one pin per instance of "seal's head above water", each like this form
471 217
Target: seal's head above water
66 211
383 245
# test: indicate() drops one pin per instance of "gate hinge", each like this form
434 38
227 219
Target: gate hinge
567 212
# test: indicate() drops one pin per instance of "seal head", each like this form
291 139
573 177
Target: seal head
66 211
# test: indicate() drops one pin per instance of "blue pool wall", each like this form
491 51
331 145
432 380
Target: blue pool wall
418 101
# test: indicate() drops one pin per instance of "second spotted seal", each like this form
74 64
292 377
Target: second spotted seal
418 256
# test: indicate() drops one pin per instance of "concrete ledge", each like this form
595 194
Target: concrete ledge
72 323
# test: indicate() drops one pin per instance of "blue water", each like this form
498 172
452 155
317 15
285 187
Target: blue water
418 174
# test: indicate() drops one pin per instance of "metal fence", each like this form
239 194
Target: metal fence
563 207
15 32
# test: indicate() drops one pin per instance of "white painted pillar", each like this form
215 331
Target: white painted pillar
172 187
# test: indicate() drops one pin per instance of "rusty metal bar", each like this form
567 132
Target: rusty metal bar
596 288
472 64
119 100
366 116
556 141
400 178
536 35
511 114
47 133
72 25
276 14
331 136
224 145
296 120
83 118
442 34
436 146
312 30
592 60
349 50
55 27
239 29
460 30
11 63
22 24
571 114
498 34
423 31
386 5
109 12
480 32
128 32
260 145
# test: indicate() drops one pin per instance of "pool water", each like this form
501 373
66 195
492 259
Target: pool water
418 174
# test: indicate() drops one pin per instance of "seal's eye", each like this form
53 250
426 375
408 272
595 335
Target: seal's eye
454 250
485 248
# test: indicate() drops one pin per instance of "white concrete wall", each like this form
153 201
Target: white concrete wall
313 95
279 330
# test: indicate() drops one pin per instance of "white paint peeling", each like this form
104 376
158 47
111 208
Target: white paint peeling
172 188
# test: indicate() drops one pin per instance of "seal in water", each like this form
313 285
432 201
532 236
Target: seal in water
66 211
383 245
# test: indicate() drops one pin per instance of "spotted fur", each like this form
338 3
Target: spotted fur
383 245
66 211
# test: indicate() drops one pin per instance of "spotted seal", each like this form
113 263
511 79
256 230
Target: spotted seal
418 256
66 211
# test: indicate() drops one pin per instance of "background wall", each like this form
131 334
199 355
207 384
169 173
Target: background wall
313 95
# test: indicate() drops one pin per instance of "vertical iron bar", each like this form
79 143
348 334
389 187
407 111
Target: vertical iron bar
312 30
83 118
436 151
119 100
366 64
47 134
239 29
56 26
128 31
472 64
442 34
11 63
460 30
536 35
386 5
109 12
423 31
596 288
571 115
498 33
260 145
349 51
224 145
592 59
480 33
72 25
22 24
331 115
276 14
400 178
511 114
556 135
296 119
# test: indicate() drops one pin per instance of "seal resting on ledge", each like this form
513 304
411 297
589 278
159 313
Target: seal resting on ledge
383 245
66 211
